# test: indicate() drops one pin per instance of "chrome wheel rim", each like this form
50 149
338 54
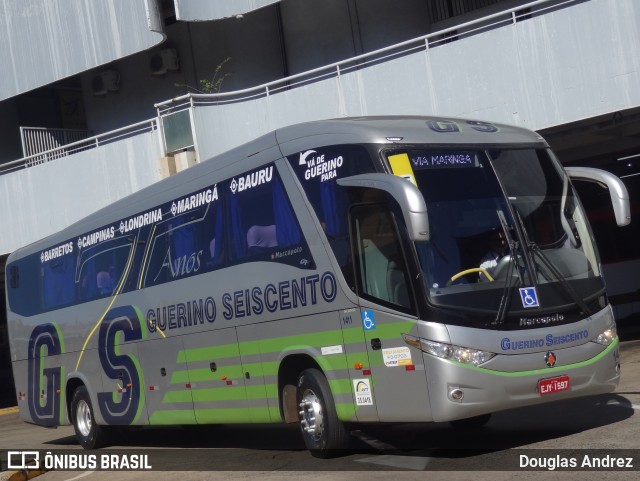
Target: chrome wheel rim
311 415
83 418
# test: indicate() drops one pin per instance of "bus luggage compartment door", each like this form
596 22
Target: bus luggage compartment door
168 396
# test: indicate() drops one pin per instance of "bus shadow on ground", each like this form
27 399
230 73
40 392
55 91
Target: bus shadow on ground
511 429
402 446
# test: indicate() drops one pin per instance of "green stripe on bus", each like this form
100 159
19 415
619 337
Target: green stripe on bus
280 344
260 347
345 411
543 371
391 330
172 417
340 386
225 393
183 396
266 369
208 353
232 415
228 393
274 414
181 377
271 391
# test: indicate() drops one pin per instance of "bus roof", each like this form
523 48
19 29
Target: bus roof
411 130
292 139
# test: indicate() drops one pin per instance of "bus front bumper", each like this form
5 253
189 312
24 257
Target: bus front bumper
459 391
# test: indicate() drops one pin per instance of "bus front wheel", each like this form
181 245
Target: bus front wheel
88 433
324 434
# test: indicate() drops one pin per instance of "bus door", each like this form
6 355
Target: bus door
397 379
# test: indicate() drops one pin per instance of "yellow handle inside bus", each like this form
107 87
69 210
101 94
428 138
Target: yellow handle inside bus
470 271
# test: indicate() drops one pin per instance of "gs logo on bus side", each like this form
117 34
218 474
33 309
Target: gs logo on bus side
122 368
43 383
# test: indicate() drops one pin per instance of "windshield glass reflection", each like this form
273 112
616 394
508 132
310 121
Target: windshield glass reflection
500 219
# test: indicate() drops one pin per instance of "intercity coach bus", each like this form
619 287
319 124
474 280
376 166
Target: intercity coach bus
326 274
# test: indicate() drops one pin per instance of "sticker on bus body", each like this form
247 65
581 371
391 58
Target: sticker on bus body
529 297
368 320
362 389
397 356
328 350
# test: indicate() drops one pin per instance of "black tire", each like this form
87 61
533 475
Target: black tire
88 433
323 433
475 422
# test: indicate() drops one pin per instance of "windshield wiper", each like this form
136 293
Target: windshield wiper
505 299
535 249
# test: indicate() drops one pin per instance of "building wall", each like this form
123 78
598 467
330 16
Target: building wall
548 70
252 45
9 142
48 41
199 10
545 71
41 200
382 23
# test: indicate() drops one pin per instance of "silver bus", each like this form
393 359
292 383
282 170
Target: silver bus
358 270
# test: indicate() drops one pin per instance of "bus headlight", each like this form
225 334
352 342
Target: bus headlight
606 337
452 352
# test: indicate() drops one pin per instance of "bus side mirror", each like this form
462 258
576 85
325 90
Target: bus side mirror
617 190
406 194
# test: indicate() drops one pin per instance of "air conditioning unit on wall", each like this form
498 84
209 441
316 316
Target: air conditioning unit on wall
105 82
163 61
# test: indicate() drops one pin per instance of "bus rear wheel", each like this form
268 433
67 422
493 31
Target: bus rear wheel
323 433
88 433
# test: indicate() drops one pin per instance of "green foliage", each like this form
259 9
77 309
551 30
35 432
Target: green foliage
213 85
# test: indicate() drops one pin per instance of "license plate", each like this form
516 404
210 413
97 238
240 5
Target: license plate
554 384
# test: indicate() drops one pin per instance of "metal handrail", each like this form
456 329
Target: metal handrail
189 100
90 142
38 139
335 69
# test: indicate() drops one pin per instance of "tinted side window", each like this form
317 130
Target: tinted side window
57 282
100 269
76 271
244 219
380 266
23 286
189 241
262 224
318 169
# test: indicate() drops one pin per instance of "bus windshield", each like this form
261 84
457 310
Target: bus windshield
506 233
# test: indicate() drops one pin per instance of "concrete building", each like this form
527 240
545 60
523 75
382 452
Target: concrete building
103 97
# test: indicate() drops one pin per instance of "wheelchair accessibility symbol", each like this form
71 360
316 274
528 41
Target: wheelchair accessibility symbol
368 320
529 297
